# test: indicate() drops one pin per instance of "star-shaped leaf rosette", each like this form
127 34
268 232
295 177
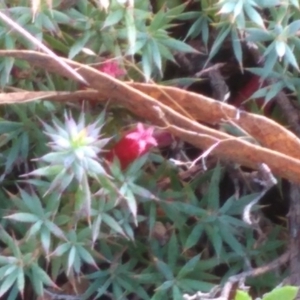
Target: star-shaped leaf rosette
75 151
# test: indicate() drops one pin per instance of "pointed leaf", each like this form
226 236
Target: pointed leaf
219 41
189 266
8 282
61 249
21 280
55 229
131 202
213 192
178 45
35 228
112 223
23 217
42 275
194 236
71 258
173 253
45 239
113 18
79 44
164 269
86 256
254 15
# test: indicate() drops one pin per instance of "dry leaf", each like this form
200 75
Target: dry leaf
178 110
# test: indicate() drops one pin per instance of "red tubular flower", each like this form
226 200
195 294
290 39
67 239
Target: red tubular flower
247 90
109 67
251 87
112 68
132 145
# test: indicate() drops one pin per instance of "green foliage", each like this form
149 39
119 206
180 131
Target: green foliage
71 189
285 292
70 212
269 28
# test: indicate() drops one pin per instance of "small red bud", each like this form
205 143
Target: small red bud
132 145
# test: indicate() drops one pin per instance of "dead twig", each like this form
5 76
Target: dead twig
240 279
267 181
40 45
